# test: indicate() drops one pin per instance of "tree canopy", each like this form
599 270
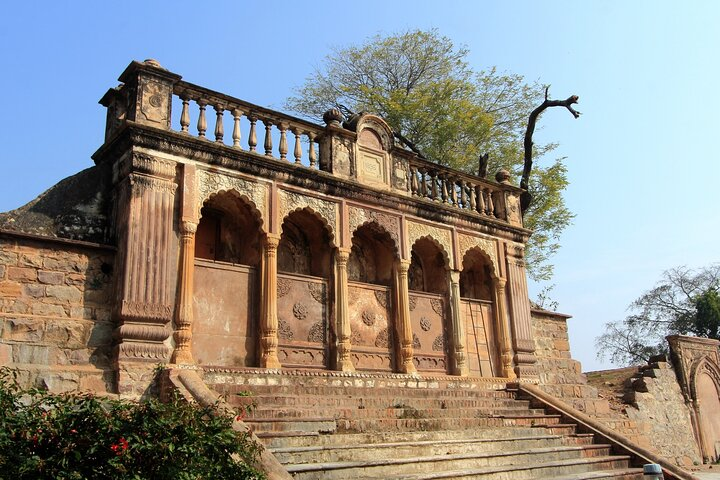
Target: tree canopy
421 83
684 302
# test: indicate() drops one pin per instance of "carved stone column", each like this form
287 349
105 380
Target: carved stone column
522 336
404 328
269 320
501 325
147 256
184 310
459 337
344 362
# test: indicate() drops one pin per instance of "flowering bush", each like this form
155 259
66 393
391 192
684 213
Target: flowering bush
81 436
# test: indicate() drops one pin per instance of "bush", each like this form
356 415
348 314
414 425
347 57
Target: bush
81 436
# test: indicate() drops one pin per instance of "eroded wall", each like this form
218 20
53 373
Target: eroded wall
55 325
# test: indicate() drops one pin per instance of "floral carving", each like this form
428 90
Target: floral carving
284 331
382 298
437 306
425 324
317 333
355 338
291 201
413 302
438 344
487 246
383 339
300 311
368 318
283 287
416 342
211 183
317 290
440 235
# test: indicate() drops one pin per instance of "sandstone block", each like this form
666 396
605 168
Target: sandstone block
22 274
8 258
94 383
63 294
36 354
48 310
58 382
76 279
10 289
2 272
5 353
81 312
30 260
100 335
66 263
10 305
25 329
69 334
561 345
33 291
51 278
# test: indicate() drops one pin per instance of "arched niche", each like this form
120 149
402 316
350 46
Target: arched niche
370 298
705 391
304 264
429 306
479 313
226 278
374 142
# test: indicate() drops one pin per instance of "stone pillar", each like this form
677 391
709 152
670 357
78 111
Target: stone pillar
521 331
146 260
501 326
403 327
269 320
184 315
342 320
459 337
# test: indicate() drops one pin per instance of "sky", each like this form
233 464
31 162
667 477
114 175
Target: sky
642 160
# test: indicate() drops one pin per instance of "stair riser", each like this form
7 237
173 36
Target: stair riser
440 465
377 402
431 393
283 412
410 450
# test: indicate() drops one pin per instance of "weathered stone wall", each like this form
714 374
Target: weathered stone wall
55 325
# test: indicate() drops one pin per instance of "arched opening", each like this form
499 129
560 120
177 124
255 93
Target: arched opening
708 398
478 310
429 312
227 256
304 270
371 313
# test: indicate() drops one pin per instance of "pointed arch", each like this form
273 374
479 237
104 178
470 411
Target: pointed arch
329 229
254 194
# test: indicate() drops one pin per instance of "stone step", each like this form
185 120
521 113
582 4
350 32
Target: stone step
343 451
524 464
398 411
551 423
309 439
304 425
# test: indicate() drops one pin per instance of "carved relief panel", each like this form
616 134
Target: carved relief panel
371 326
210 183
430 335
487 246
291 201
417 230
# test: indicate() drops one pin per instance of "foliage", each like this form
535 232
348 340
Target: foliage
422 85
684 302
81 436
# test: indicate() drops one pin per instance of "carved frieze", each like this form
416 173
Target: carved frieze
140 162
300 311
390 223
442 236
283 287
284 331
383 339
413 300
146 311
317 333
154 105
382 298
437 306
291 201
439 344
400 174
210 183
425 324
487 246
317 291
416 342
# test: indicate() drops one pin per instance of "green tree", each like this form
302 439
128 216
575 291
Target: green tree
684 302
423 86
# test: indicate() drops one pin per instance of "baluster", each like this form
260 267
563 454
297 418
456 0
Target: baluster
311 150
202 122
490 208
480 200
434 178
424 181
453 192
413 181
268 138
283 148
463 197
185 115
252 137
473 203
236 113
298 148
445 190
219 129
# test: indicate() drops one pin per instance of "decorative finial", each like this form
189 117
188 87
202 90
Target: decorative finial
333 117
152 63
502 176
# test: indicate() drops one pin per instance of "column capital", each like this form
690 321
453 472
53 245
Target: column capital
403 266
342 255
272 240
500 283
188 228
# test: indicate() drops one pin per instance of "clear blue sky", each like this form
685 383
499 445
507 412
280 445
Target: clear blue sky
642 159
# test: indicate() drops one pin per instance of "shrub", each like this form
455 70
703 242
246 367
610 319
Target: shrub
82 436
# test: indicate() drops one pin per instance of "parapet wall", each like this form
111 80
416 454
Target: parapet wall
55 326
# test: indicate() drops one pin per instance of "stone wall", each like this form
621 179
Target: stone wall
55 325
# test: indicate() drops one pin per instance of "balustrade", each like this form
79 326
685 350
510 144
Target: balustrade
277 125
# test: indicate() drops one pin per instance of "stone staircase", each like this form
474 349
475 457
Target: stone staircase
330 425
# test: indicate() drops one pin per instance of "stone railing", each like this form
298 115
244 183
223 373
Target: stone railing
453 188
276 125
